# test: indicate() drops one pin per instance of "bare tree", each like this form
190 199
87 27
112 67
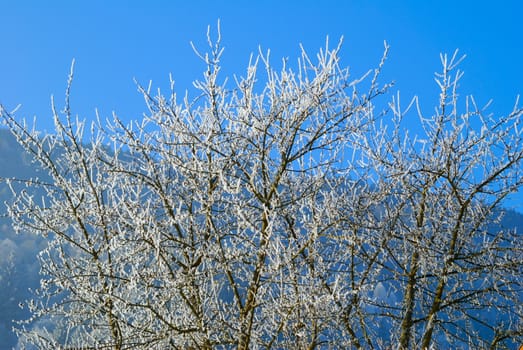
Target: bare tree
280 213
457 273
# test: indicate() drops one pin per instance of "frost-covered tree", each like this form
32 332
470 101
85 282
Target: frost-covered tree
456 270
282 212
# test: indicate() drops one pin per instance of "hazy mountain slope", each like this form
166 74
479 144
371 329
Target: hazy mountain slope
18 263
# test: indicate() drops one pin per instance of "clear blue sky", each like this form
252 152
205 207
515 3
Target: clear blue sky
116 41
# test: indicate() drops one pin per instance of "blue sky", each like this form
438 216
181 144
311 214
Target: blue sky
116 41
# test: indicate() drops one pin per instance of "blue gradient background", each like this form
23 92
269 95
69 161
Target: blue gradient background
116 41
